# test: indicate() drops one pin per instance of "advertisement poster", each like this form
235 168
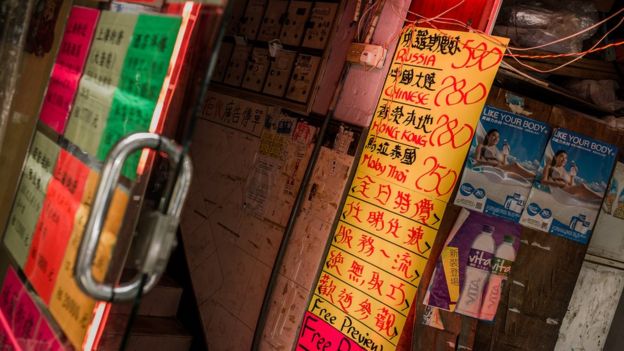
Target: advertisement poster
420 133
571 183
473 266
502 163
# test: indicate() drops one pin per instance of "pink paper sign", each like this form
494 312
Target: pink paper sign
68 67
317 335
7 339
22 319
46 340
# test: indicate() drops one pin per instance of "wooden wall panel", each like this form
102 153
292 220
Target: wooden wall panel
539 289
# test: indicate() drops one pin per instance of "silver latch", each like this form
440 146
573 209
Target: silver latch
161 226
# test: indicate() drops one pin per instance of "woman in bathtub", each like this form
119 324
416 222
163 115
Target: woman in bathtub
555 172
487 153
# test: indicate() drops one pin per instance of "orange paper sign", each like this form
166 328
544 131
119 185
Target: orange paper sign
55 223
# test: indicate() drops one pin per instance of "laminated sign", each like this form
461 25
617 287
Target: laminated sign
68 67
421 131
23 319
71 308
31 192
124 74
55 224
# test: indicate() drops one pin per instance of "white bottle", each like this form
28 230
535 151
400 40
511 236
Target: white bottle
477 272
501 266
506 148
573 171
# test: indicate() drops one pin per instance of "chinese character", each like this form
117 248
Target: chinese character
384 321
414 237
356 271
327 287
403 263
383 111
382 149
363 186
423 210
409 156
344 236
397 114
402 202
375 283
407 76
393 227
371 145
366 245
375 218
345 299
383 193
396 152
334 261
365 309
394 290
352 207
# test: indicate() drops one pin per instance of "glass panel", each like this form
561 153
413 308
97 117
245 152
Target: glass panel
70 96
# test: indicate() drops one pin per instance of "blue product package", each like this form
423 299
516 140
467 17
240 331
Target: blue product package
502 163
571 184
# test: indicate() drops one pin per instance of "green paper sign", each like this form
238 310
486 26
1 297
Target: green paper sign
142 76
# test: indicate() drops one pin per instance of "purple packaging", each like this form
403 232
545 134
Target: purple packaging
479 250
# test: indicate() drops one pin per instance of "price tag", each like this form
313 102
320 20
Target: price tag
30 194
68 67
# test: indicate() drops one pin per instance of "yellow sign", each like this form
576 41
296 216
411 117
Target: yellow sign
417 142
72 309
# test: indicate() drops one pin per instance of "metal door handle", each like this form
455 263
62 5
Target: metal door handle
158 249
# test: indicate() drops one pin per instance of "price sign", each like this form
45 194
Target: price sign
30 194
55 223
71 308
123 78
419 136
101 77
68 67
23 318
141 80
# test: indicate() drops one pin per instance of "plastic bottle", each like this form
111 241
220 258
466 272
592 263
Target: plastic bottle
573 171
501 266
505 148
477 272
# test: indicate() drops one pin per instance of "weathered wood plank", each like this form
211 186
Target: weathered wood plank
589 316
